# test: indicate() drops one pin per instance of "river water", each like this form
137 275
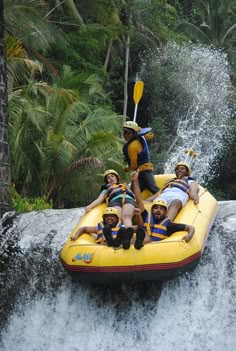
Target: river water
43 310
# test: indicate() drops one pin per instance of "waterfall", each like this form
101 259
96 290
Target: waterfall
199 106
41 309
45 310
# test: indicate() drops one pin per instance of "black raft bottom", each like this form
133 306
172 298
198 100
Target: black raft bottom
132 276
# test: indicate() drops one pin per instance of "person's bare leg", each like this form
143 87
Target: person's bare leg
127 215
174 208
119 209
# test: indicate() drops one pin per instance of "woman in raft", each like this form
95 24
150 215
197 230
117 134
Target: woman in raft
118 195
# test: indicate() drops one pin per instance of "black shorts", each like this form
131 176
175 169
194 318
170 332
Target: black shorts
147 181
119 202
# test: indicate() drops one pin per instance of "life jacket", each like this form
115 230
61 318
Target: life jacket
115 190
181 184
114 231
143 156
158 231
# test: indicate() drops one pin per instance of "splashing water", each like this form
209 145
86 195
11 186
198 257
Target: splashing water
193 312
43 310
201 78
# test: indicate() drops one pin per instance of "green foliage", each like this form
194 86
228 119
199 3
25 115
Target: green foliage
224 170
51 127
161 17
161 100
219 194
68 118
86 52
214 26
26 21
83 186
24 204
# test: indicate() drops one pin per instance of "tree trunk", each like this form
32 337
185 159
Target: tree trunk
4 146
108 54
126 76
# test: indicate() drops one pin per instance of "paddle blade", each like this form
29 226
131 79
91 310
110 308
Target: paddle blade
138 91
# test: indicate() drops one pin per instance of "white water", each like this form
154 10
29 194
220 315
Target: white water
201 79
194 312
205 79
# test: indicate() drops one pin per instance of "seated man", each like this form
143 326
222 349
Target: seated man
157 226
106 230
111 231
177 191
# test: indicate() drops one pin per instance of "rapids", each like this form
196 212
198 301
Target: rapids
42 309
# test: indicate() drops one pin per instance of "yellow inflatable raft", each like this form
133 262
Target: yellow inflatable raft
162 260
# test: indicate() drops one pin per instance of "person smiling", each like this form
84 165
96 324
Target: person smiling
118 195
157 225
108 231
177 191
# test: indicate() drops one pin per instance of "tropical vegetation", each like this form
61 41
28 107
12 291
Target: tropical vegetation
71 67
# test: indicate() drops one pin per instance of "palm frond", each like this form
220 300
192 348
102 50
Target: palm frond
228 32
19 66
86 162
193 31
24 20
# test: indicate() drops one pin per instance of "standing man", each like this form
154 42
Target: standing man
136 154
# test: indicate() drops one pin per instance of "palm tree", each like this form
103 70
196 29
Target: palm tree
29 35
132 21
4 147
120 22
54 129
217 27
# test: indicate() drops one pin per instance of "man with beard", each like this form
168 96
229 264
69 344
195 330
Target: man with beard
157 226
177 191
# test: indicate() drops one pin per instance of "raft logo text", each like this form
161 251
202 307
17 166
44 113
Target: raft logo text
86 257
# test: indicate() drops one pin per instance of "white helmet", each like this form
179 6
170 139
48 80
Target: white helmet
131 125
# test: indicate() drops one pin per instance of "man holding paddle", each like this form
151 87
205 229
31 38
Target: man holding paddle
135 150
136 154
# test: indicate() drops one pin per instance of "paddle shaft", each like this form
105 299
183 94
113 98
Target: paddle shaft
135 112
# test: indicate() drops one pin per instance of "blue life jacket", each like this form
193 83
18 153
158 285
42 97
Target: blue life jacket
114 231
115 190
143 156
158 231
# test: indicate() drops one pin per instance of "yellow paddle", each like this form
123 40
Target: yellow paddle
138 92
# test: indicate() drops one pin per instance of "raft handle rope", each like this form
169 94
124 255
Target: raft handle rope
198 210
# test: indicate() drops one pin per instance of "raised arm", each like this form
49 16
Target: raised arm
138 214
136 189
98 201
